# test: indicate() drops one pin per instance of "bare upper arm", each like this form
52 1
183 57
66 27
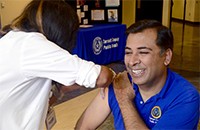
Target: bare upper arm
96 112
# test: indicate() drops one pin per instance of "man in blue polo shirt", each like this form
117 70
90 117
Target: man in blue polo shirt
150 95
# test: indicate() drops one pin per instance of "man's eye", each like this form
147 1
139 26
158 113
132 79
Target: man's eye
126 53
144 52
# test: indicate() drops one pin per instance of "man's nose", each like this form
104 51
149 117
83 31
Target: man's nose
134 60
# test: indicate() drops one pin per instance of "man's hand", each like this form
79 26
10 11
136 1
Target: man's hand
123 88
125 94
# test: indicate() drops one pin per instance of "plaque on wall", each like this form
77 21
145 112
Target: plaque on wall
97 15
112 3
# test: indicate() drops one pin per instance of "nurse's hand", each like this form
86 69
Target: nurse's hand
105 78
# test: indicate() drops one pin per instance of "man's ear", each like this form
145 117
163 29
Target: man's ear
168 57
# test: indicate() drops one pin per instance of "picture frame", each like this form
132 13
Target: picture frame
97 15
112 3
112 15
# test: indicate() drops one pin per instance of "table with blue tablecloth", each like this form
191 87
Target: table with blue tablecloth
102 44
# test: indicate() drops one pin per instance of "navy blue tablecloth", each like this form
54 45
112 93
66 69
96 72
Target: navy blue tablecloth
102 44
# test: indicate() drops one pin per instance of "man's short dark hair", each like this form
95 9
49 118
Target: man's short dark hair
164 39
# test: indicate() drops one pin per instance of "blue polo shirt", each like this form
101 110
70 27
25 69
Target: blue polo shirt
176 106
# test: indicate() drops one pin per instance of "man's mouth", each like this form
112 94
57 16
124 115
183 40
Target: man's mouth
138 72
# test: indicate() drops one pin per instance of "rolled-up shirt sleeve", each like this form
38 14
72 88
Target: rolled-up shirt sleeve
45 59
88 78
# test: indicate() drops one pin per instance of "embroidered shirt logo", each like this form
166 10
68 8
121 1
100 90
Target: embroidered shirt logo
156 112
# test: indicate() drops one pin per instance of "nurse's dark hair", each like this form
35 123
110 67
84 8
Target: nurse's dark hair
164 39
56 19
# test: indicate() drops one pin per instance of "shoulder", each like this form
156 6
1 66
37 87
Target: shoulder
27 37
181 89
33 41
182 84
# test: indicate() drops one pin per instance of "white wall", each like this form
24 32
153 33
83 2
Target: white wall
10 9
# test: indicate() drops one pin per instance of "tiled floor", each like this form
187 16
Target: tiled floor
186 61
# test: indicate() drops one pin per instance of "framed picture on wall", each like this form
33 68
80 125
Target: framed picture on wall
112 15
85 21
85 8
112 3
97 15
98 11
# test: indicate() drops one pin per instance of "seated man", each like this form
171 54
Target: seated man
150 96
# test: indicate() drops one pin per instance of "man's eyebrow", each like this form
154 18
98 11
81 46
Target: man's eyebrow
144 48
128 48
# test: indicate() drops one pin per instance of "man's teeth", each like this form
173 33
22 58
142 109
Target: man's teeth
137 71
